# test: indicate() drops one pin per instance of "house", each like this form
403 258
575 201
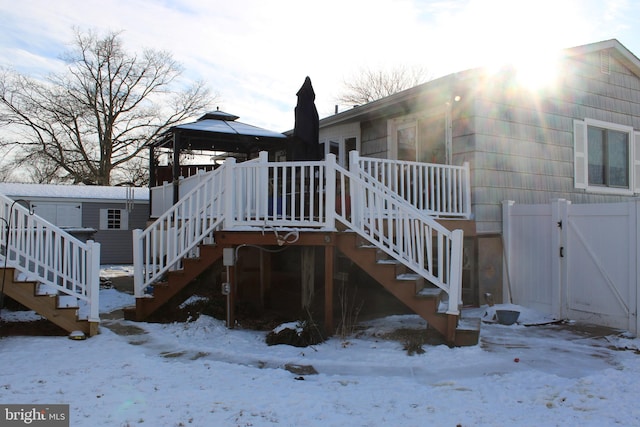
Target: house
403 179
272 234
106 215
577 138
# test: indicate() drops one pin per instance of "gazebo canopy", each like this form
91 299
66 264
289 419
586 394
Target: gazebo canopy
220 132
216 134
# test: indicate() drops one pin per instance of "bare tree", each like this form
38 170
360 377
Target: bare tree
90 123
370 85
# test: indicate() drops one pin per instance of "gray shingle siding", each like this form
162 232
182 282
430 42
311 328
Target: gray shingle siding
115 245
524 147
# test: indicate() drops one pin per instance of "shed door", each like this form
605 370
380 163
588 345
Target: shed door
60 214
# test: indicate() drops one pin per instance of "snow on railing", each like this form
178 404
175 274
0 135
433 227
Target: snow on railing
307 194
403 232
42 252
439 190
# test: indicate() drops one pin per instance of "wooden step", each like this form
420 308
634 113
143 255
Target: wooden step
410 288
48 306
467 332
175 282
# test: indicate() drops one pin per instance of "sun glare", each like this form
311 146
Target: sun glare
536 71
522 36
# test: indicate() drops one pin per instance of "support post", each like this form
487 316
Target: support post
231 298
328 289
176 168
308 261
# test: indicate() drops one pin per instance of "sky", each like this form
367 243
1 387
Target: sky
255 54
199 373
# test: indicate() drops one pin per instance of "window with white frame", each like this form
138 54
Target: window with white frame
114 219
606 157
340 146
404 138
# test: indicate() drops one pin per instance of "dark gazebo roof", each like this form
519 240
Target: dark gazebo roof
219 131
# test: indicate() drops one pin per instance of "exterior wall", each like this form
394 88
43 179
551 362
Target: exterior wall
519 142
374 139
340 131
116 246
524 142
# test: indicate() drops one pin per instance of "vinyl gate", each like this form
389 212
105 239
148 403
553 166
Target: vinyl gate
574 261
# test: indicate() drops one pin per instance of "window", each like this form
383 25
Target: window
606 157
114 219
340 146
407 142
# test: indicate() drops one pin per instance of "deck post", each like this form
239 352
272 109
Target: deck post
93 280
138 263
328 289
356 206
330 190
229 193
455 277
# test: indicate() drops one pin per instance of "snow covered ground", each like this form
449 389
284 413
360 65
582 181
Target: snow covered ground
201 374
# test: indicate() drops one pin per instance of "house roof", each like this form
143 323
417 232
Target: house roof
446 86
75 192
623 54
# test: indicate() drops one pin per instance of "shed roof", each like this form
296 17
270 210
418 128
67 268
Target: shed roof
54 191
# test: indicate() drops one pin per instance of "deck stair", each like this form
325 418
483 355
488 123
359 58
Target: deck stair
423 258
410 288
49 270
173 282
59 309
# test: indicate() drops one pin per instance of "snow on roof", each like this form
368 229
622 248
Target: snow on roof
229 127
53 191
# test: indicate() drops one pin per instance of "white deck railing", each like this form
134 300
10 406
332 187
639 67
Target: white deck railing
310 195
403 232
439 190
177 232
49 255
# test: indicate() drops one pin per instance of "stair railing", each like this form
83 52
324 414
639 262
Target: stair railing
403 232
263 194
177 233
47 254
439 190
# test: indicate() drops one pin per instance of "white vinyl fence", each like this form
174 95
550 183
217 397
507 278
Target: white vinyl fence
575 262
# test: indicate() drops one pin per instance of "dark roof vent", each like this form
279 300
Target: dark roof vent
605 62
218 115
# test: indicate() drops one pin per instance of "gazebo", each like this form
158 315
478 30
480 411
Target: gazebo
216 134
